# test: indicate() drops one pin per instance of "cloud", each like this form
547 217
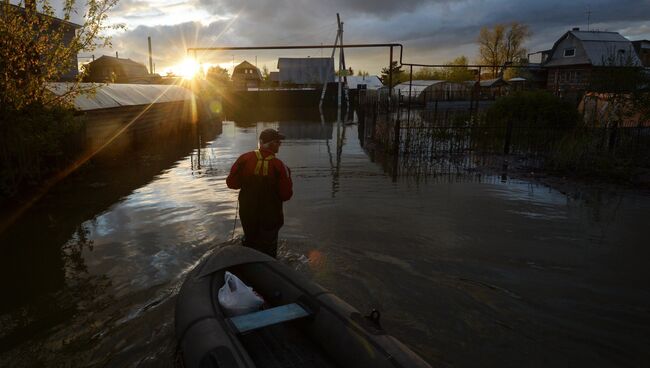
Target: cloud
431 31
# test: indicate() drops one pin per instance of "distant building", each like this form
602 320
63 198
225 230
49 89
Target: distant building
305 71
577 55
246 75
642 48
118 70
69 30
371 82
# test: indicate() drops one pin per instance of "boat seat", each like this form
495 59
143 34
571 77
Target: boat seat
267 317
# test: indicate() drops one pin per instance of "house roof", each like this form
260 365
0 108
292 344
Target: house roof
245 64
598 46
105 59
102 96
493 82
306 70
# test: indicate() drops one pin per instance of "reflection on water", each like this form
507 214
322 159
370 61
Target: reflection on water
464 266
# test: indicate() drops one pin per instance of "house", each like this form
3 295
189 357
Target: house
69 30
118 70
305 72
577 55
246 75
642 48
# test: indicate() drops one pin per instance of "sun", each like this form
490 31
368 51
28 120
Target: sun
188 68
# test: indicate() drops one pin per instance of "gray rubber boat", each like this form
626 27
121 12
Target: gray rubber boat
303 324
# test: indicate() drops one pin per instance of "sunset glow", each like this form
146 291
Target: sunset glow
188 69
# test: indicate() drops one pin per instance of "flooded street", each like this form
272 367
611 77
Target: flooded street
467 269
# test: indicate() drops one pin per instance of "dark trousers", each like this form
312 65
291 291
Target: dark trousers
264 240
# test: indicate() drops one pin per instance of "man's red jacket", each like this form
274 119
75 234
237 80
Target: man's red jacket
245 166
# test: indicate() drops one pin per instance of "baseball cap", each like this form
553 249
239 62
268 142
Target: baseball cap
269 135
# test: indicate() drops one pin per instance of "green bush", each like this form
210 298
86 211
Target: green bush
35 143
532 108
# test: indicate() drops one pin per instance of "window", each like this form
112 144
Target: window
569 52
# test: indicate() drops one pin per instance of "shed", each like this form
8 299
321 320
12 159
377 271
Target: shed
305 71
246 75
117 70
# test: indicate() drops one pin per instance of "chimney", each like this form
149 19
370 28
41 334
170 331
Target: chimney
576 29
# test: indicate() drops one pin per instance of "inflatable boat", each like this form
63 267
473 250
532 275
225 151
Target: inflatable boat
301 325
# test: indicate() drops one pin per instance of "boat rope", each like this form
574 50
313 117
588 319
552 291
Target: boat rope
234 225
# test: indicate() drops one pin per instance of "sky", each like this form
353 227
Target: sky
433 31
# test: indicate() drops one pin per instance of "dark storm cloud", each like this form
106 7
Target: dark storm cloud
432 31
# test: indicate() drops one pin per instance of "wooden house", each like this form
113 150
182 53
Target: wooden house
577 55
118 70
246 75
69 31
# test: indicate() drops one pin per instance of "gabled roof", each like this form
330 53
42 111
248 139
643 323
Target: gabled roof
105 59
245 64
598 47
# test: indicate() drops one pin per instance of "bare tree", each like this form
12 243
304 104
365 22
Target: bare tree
503 43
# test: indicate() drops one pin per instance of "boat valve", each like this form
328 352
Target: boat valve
374 317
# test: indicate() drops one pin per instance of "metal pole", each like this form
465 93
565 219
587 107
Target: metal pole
150 59
390 76
408 111
322 94
340 78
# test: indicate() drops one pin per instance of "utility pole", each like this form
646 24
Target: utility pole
340 32
150 59
322 95
342 66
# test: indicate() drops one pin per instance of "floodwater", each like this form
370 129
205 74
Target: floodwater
467 269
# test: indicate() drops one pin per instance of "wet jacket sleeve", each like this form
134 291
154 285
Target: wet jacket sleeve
233 181
285 185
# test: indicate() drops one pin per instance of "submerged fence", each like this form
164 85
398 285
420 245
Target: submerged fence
460 139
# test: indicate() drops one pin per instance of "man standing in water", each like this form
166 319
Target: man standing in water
265 183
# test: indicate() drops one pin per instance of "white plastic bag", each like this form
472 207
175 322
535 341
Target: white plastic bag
236 298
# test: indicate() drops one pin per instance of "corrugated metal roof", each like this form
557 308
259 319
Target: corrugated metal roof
599 36
306 70
371 81
599 47
115 95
